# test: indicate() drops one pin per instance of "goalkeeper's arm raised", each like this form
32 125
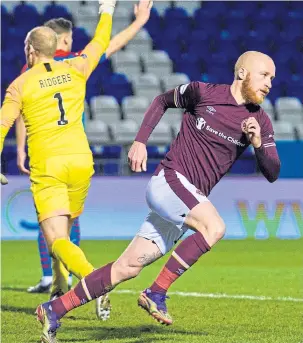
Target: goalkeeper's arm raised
92 53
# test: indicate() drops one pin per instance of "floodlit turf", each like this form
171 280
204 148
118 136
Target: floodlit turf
270 268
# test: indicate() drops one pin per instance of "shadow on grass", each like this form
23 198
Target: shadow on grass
26 310
136 332
15 289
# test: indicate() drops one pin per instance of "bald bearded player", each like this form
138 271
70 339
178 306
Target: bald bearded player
219 123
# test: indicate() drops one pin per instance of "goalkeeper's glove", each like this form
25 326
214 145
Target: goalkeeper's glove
107 6
3 180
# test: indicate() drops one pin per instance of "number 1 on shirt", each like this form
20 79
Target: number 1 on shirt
62 120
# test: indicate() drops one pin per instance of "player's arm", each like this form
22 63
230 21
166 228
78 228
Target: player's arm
10 111
21 144
261 137
142 13
96 48
184 96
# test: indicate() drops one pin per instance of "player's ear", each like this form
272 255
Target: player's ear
242 73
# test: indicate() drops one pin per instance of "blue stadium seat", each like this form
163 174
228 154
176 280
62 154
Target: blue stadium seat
26 16
273 10
291 29
107 151
236 28
211 26
262 30
177 17
154 151
211 10
80 38
111 169
229 49
154 24
223 73
151 167
190 65
117 86
56 11
242 9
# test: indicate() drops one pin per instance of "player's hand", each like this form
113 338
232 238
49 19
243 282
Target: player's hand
3 180
137 157
21 158
107 6
142 11
253 131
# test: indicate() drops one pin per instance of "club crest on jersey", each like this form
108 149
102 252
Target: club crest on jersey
210 110
200 123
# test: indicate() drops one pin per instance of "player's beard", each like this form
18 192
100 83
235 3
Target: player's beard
248 94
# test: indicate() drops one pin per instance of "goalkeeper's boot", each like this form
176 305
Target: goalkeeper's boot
40 288
48 319
103 307
154 304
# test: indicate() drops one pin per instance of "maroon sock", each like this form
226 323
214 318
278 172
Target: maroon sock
184 256
91 287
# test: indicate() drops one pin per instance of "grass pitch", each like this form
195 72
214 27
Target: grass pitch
270 270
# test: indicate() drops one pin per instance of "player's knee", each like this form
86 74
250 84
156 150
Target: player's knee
217 229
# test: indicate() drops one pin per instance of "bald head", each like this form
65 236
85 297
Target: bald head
252 59
42 40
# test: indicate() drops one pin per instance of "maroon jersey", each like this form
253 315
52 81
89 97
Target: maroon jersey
210 139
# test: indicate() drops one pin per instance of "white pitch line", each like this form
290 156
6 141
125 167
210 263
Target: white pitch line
205 295
219 296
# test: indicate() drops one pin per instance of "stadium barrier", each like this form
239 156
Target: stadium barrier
115 208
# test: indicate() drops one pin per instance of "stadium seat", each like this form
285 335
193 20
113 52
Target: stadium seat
141 44
26 17
176 126
268 108
157 151
190 65
161 6
124 132
188 5
85 16
126 62
158 63
174 80
97 132
54 10
80 38
147 85
283 130
299 129
106 109
106 151
121 18
161 134
289 109
111 169
177 17
211 10
118 86
134 107
154 24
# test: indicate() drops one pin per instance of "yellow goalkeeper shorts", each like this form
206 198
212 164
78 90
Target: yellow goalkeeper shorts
60 185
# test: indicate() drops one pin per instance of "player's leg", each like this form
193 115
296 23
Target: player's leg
75 238
45 283
139 254
198 214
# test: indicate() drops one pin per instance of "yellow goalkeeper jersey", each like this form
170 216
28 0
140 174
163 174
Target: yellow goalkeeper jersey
50 97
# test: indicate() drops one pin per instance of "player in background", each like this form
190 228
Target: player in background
63 28
219 123
61 162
